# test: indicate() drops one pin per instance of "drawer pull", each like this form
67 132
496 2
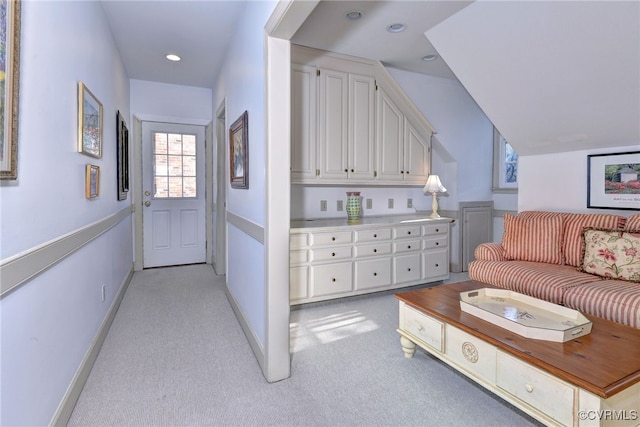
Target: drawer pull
408 232
437 243
333 239
409 269
529 388
437 230
375 250
375 274
333 254
420 327
408 246
333 280
437 265
375 236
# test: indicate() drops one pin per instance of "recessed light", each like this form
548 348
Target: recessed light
354 15
173 57
429 58
396 28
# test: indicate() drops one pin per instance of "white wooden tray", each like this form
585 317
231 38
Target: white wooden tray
525 315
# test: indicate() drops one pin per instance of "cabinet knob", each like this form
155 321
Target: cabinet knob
346 170
375 250
407 172
437 265
333 280
437 230
375 274
408 246
333 239
352 170
408 232
529 388
375 236
402 172
333 254
409 269
437 243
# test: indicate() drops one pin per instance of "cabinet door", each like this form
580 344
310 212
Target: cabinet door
303 122
406 268
416 155
333 124
298 283
436 264
374 273
389 139
361 153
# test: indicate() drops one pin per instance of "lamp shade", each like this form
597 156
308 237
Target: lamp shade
434 185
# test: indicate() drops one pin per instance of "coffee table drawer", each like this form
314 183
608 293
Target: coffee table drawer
548 394
429 330
471 353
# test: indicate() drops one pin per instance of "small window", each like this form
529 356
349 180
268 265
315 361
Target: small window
505 165
174 165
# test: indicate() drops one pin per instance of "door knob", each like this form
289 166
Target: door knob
147 203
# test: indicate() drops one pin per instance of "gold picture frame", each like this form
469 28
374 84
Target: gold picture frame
89 123
92 181
10 57
239 152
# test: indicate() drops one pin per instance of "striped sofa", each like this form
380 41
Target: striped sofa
542 254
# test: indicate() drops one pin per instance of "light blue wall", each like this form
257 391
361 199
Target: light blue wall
49 323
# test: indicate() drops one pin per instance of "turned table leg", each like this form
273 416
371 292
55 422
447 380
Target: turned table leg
408 347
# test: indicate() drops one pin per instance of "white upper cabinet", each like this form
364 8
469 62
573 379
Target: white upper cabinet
303 122
348 127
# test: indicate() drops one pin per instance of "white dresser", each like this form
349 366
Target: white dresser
331 258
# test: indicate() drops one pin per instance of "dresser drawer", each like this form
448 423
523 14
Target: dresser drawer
434 242
373 273
331 279
436 263
407 246
407 232
548 394
372 249
406 268
298 241
373 235
427 329
324 239
472 354
435 229
328 254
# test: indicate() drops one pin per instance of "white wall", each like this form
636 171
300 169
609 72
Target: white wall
48 323
242 83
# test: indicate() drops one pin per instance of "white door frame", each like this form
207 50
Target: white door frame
136 166
219 261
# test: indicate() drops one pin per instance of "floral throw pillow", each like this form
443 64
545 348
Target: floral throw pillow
612 254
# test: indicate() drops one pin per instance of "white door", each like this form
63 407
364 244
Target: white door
173 194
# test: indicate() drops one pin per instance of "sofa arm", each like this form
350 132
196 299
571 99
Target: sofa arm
490 252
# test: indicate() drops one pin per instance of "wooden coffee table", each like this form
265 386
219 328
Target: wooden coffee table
591 380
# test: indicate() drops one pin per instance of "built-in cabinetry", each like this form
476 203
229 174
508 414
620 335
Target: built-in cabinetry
333 259
351 124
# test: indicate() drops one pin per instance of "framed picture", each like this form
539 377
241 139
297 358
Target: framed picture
89 123
613 180
239 151
9 76
92 181
122 149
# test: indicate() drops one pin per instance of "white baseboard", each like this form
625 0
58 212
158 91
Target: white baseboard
68 402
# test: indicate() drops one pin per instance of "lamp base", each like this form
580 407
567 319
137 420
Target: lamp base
434 207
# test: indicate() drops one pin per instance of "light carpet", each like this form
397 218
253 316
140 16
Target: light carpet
176 356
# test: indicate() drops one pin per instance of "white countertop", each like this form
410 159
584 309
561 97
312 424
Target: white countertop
300 225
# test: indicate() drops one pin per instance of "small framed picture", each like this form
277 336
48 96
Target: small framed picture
613 181
239 151
89 123
92 181
122 150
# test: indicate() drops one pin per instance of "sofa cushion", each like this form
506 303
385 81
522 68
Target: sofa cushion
613 254
533 239
633 222
540 280
491 251
616 300
573 224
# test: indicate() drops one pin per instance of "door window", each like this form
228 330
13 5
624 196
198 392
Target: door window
174 165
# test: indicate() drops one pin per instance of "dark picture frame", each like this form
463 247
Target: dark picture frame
89 123
122 149
613 181
92 181
239 152
9 85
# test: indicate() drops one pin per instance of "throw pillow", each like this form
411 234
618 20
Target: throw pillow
633 222
612 254
533 239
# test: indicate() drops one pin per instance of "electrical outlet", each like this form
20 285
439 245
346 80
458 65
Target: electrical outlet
409 203
339 206
369 204
390 203
323 205
103 294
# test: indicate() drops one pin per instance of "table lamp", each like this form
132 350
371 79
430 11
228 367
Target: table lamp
434 186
